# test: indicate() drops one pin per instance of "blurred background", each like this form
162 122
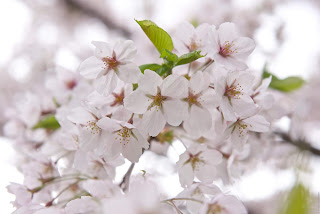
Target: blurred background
40 35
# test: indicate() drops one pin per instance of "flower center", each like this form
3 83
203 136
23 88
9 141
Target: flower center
157 100
192 99
226 49
241 127
214 209
110 62
92 127
123 135
234 91
193 45
118 98
194 160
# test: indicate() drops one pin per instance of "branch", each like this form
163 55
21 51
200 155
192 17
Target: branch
90 10
301 144
126 178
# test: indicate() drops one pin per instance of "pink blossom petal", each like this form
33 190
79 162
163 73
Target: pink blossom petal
175 111
174 86
91 67
137 102
149 82
129 72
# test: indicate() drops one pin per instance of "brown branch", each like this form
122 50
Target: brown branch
301 144
126 178
89 10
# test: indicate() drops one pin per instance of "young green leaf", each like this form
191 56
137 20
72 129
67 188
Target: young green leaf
48 122
189 57
286 85
160 38
298 201
169 56
164 70
152 67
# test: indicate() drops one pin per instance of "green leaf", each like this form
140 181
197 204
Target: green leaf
169 56
152 67
48 122
298 201
134 86
164 70
160 38
286 85
189 57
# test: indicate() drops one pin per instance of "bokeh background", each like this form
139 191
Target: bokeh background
40 35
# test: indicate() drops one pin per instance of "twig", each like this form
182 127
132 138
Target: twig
301 144
89 10
126 178
182 199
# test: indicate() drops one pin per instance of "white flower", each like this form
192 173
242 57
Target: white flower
188 38
110 64
92 164
91 136
233 92
84 205
240 128
159 100
264 99
111 103
228 49
200 98
224 204
123 138
198 161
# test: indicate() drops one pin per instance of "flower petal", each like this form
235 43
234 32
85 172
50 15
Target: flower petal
91 67
103 49
175 111
227 110
125 50
106 83
199 121
129 72
80 116
244 47
108 124
199 82
137 102
257 123
153 121
149 82
227 32
186 175
174 86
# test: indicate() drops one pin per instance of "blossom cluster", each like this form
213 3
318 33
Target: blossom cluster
111 110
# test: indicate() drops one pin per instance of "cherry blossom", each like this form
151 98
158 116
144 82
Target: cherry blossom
228 48
200 99
188 38
159 101
233 92
198 161
123 138
110 64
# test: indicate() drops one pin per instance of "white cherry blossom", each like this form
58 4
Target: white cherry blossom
123 138
159 101
228 48
200 98
198 161
238 130
188 38
110 64
233 92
